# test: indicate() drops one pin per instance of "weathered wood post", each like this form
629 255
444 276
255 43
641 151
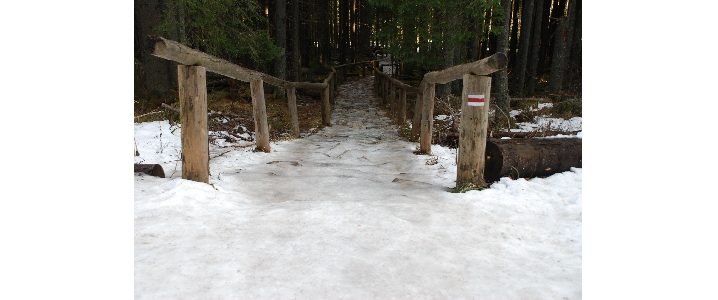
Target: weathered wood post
261 128
427 116
377 83
392 95
472 133
385 93
326 107
193 116
292 103
331 90
416 120
402 107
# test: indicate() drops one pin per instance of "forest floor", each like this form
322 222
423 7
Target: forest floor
348 212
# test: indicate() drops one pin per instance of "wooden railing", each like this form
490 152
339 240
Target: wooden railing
474 116
193 99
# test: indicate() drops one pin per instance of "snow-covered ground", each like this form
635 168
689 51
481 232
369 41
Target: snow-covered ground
349 212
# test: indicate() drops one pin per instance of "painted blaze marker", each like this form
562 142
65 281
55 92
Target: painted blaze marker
476 100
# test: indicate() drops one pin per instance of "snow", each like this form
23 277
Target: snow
348 212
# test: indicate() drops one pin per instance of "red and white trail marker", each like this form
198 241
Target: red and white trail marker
476 100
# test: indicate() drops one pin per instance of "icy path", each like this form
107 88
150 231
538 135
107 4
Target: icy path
352 213
360 152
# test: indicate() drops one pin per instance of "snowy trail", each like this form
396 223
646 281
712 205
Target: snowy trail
360 151
352 213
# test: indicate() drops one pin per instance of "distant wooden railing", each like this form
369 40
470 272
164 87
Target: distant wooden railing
474 110
193 99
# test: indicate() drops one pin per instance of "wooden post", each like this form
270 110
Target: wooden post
193 116
326 107
472 133
377 80
335 87
332 87
402 107
427 117
261 128
416 120
392 96
385 93
292 103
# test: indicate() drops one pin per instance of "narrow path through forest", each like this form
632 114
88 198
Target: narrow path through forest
360 152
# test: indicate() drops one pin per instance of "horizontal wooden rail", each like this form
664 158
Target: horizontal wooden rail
485 66
182 54
397 83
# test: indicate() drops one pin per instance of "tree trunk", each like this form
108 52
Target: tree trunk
535 48
545 37
514 33
557 11
500 79
574 68
526 158
296 57
562 49
326 22
343 30
280 23
158 73
365 17
524 47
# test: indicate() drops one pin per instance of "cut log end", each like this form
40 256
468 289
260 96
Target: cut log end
498 61
152 41
150 169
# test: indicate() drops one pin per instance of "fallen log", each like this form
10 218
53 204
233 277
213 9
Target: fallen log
150 169
530 134
534 157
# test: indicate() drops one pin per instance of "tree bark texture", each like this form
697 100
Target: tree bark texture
575 65
562 49
296 54
261 128
343 30
472 131
524 47
280 23
500 79
515 14
526 158
535 49
193 117
157 73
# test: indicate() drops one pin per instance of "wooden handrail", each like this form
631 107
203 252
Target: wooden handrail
485 66
397 82
182 54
